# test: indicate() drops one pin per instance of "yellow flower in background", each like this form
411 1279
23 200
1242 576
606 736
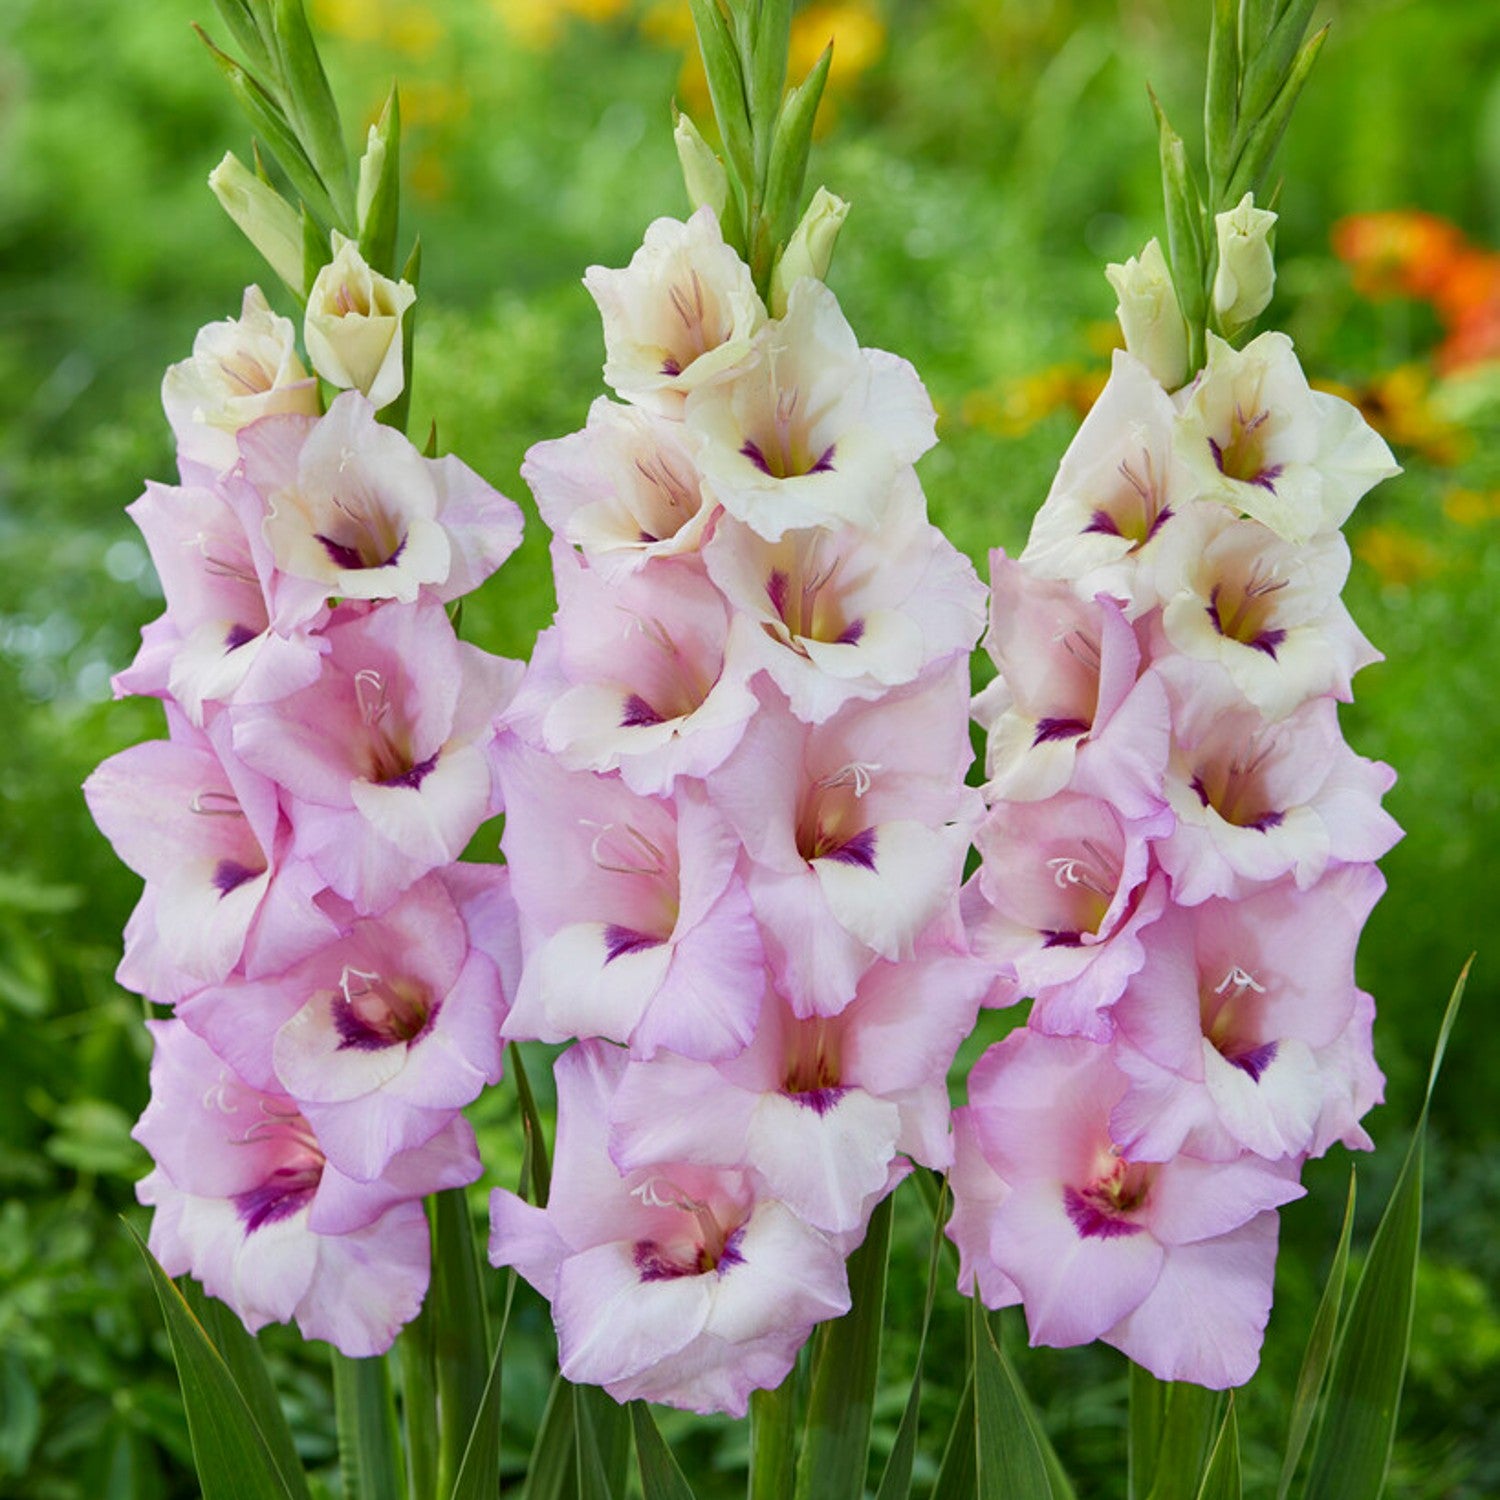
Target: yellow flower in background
1471 507
1399 406
411 30
1017 405
539 23
1397 556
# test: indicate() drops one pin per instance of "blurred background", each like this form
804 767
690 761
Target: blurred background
997 153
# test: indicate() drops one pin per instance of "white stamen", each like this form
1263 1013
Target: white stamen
1240 980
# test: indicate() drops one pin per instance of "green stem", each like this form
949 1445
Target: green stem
773 1437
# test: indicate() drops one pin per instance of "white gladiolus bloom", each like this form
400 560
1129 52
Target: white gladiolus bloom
353 327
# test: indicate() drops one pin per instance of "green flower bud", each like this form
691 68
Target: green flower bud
267 220
810 249
707 181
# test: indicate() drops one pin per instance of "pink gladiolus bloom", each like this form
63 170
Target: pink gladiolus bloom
1115 493
632 675
624 490
1067 709
679 316
857 829
248 1205
1061 900
350 508
814 430
215 643
637 926
207 836
676 1283
384 758
1171 1262
380 1038
1232 1032
818 1107
836 615
1256 801
1265 610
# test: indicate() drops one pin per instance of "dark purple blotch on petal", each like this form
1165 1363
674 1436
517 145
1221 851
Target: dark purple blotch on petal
621 940
824 464
852 634
416 776
1256 1060
230 875
1266 821
638 713
1102 522
1197 785
1059 729
1218 454
670 368
1091 1221
1267 478
282 1194
1059 939
819 1101
776 591
859 850
239 635
731 1254
355 1033
752 451
654 1264
1267 641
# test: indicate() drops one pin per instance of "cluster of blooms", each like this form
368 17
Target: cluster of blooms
1177 862
336 978
737 825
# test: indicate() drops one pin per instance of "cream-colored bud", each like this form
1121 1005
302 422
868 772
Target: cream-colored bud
265 218
1247 270
1150 317
371 167
809 252
353 325
707 181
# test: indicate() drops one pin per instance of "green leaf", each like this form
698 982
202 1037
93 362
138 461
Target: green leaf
1148 1411
773 1440
460 1333
726 88
846 1360
552 1470
379 220
773 32
1265 136
311 105
1221 100
270 124
661 1479
241 1353
239 16
958 1472
1319 1351
232 1457
1009 1462
1221 1479
790 148
592 1483
1184 234
369 1441
419 1402
1266 64
539 1171
479 1473
609 1424
895 1483
1188 1426
1353 1449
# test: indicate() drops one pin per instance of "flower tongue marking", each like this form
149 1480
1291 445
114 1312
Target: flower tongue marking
786 451
1242 455
389 757
1103 1209
831 825
1230 1019
371 1012
1244 614
1235 791
1135 513
290 1185
706 1246
812 1074
1088 883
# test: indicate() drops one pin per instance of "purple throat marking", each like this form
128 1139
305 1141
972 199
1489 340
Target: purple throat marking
1267 641
1103 523
286 1191
416 776
1059 939
819 1101
859 850
349 559
1267 478
824 464
1091 1221
1266 821
1059 729
619 941
230 875
1256 1060
670 368
638 713
752 451
776 586
239 635
853 633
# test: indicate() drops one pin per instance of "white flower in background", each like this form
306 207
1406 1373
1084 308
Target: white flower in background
241 369
1150 318
680 314
353 327
1247 270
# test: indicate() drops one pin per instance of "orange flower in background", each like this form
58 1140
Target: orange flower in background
1419 255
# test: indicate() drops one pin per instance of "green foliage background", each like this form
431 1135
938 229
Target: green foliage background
997 152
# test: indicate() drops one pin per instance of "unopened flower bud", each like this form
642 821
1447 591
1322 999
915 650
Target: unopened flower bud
1150 317
707 182
809 252
265 218
353 326
371 169
1247 272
